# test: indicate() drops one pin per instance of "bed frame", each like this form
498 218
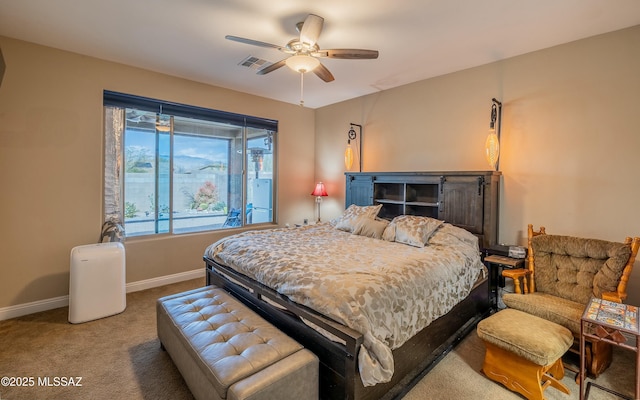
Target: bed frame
339 376
468 200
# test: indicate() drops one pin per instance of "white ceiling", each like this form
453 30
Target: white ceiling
417 39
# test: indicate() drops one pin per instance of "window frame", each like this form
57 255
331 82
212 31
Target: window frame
114 200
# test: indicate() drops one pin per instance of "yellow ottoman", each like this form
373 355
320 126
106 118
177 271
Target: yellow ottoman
524 352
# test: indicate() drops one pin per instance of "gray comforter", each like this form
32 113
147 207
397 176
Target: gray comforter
387 291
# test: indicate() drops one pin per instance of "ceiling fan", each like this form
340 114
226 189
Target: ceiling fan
305 50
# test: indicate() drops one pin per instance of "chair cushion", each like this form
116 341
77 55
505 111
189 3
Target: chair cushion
577 268
552 308
535 339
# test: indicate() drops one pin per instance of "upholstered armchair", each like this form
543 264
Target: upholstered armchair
562 275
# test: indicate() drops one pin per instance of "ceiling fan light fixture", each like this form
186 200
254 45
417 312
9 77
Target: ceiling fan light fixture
302 63
305 51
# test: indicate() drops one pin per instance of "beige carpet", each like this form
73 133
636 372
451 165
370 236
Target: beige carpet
458 376
119 357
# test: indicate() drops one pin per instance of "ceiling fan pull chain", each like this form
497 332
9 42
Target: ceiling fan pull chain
301 89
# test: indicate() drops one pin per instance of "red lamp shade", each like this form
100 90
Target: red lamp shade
319 190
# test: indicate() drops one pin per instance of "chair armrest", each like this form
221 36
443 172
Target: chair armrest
613 296
516 275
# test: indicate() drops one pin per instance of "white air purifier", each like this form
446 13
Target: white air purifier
97 282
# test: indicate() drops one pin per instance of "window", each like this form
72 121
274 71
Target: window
172 168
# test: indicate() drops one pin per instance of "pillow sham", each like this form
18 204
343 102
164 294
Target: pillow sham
346 221
463 235
412 229
365 226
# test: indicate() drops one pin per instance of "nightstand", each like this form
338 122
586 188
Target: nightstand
496 264
305 222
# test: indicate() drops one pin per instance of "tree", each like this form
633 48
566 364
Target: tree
137 159
206 196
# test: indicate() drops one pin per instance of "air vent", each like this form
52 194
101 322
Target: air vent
253 62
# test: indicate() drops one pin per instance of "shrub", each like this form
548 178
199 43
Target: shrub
206 195
130 210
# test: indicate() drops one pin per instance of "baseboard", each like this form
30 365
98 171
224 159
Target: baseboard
165 280
63 301
33 307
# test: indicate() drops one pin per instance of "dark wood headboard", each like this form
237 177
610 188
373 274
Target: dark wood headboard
468 199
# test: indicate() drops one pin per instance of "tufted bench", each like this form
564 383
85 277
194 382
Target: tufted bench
523 351
225 351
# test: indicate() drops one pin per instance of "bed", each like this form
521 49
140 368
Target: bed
378 302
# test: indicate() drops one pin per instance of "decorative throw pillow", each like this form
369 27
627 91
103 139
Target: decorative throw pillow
412 229
389 233
346 221
365 226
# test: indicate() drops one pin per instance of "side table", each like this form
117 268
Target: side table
496 264
614 323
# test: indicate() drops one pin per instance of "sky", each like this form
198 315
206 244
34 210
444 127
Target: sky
211 149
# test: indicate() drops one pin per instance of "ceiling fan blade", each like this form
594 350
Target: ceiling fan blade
272 67
323 73
311 29
253 42
351 54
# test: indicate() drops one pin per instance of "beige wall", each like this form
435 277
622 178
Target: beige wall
570 145
570 138
51 165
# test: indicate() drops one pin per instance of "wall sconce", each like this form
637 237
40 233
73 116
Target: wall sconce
319 192
348 153
492 144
